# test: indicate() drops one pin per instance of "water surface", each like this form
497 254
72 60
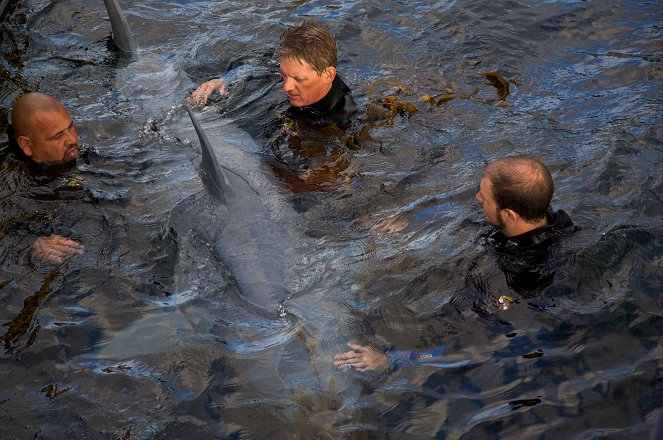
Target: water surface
147 336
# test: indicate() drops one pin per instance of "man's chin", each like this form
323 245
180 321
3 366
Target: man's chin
67 160
296 102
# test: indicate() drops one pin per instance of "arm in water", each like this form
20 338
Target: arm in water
199 97
56 249
365 358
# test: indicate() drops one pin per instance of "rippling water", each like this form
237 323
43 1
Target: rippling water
146 334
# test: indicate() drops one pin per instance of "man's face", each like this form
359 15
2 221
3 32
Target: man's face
490 208
303 84
53 138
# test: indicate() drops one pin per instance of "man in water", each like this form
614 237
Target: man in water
515 194
307 144
43 129
44 132
308 58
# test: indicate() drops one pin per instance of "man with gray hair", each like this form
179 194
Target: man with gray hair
308 57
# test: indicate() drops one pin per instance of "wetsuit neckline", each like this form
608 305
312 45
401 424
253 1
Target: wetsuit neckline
556 222
331 100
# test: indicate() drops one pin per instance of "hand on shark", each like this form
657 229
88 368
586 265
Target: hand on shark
199 97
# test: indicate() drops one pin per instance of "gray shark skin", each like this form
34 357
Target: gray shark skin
148 80
122 35
250 235
259 239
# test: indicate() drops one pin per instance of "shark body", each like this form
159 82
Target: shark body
280 324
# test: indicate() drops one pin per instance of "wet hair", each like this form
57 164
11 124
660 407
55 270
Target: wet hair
312 42
522 184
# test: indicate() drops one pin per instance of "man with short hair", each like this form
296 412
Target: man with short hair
308 151
44 132
515 193
308 57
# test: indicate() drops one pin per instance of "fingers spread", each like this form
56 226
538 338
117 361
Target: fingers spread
56 248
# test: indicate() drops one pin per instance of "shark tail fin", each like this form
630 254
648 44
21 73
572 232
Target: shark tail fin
209 166
122 35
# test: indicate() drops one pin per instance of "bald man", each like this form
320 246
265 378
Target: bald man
44 130
45 133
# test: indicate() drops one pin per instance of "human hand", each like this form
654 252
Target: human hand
56 249
391 225
199 97
387 225
362 358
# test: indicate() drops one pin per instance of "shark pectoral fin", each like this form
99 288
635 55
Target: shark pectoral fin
122 35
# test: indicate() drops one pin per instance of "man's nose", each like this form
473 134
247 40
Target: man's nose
288 85
72 136
478 197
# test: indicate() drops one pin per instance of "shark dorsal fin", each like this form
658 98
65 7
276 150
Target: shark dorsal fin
209 166
122 35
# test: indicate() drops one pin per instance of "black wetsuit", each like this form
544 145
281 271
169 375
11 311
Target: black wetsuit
337 106
309 147
522 258
535 240
524 261
39 200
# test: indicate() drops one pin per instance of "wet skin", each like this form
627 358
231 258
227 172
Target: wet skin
490 208
53 140
303 84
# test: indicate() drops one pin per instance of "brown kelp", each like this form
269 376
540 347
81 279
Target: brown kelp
501 84
382 111
440 98
23 323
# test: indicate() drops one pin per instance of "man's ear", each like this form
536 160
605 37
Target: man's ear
510 216
26 145
329 73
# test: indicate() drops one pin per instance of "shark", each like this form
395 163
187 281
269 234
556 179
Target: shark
122 35
279 323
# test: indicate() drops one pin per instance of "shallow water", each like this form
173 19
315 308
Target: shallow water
147 336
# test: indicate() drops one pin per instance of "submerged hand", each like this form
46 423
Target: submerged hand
391 225
199 97
56 248
362 358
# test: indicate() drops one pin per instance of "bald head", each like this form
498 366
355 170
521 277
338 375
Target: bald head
522 184
44 130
